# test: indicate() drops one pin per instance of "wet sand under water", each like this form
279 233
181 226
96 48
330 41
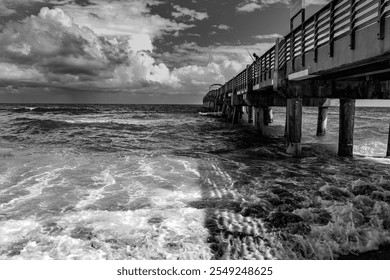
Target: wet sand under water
319 206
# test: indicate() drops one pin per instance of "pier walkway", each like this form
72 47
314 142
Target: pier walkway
341 52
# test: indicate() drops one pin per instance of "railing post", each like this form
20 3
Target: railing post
247 78
265 67
315 38
269 64
352 25
381 19
292 46
331 28
276 65
303 32
261 68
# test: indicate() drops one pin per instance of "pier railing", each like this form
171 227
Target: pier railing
337 21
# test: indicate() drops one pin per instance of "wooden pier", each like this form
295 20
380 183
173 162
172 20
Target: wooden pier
341 52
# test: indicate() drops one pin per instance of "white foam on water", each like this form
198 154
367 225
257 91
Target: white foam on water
104 179
6 176
140 234
371 148
168 228
35 184
189 168
104 121
13 230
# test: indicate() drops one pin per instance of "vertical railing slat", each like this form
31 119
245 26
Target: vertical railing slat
352 25
316 38
331 26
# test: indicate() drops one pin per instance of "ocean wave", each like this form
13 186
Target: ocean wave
49 124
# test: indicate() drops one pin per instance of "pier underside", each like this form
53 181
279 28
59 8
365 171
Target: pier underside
340 54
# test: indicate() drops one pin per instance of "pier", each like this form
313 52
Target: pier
341 52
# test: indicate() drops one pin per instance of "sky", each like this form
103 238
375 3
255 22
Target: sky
131 51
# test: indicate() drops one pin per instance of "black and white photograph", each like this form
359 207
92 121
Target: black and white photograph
151 130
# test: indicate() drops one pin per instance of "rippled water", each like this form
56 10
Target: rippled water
162 182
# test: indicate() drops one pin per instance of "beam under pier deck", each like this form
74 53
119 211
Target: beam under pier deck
346 122
322 120
294 126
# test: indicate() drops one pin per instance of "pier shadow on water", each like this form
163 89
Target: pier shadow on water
263 204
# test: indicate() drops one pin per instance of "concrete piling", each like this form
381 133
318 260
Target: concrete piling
268 115
236 114
322 120
294 126
388 145
258 120
347 120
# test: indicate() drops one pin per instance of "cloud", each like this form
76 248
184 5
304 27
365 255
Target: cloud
8 7
268 36
53 49
249 6
108 46
252 5
15 72
190 15
123 18
222 27
215 64
316 2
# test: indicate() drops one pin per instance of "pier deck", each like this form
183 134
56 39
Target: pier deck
341 52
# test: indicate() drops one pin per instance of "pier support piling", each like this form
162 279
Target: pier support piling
250 114
388 145
258 119
294 126
322 120
230 114
347 120
268 115
236 114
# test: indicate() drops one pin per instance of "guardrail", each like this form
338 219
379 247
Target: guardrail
338 19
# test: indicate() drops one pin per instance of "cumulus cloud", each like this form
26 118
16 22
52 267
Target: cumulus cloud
268 36
222 27
190 15
8 7
51 48
106 47
215 64
15 72
123 18
249 6
253 5
316 2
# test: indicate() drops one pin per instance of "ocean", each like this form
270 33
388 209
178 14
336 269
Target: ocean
163 182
